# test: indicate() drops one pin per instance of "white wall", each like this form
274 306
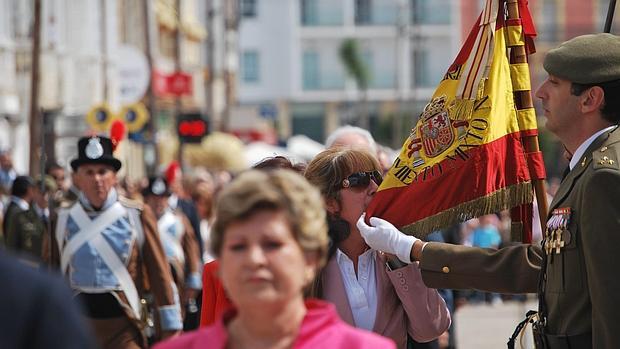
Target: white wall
270 33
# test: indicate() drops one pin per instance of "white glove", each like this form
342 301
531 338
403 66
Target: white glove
383 236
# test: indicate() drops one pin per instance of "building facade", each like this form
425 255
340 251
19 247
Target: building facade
289 62
81 66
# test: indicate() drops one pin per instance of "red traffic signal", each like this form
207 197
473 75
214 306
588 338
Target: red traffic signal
191 128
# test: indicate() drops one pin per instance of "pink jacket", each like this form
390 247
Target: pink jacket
405 304
321 328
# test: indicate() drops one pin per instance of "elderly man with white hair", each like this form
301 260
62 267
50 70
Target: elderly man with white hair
359 138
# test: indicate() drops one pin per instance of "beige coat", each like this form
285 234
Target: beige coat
405 304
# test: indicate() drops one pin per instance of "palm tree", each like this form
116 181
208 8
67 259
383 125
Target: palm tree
356 68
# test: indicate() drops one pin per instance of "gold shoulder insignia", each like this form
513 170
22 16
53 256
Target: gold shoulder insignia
605 157
130 203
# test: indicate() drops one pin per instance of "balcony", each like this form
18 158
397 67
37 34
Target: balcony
368 13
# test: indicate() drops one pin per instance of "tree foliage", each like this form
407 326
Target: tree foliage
352 60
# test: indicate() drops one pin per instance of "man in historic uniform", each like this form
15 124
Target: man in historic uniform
574 270
178 239
108 247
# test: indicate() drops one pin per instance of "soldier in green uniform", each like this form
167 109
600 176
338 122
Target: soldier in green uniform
28 217
574 269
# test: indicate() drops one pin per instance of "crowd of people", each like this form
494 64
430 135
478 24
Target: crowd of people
282 255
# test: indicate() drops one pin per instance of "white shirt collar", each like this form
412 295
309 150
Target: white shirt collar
42 212
109 201
584 146
23 204
367 256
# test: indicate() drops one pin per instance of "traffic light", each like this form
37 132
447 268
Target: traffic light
191 127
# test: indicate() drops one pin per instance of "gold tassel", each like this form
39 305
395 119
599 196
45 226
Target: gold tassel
503 199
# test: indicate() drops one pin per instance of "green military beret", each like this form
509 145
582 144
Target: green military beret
586 59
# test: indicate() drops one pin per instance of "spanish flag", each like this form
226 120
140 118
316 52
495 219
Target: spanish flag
464 158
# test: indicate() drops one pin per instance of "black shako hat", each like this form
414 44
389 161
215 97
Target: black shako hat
95 150
158 186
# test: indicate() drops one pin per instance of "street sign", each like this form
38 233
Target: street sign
268 111
191 128
133 74
176 84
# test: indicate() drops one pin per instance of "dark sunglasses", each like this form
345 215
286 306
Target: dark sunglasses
362 179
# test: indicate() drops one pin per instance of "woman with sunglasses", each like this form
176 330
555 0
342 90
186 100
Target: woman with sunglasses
370 289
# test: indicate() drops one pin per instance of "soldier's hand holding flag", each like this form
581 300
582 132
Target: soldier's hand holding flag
381 235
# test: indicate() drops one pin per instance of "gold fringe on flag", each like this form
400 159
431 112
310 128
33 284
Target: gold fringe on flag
503 199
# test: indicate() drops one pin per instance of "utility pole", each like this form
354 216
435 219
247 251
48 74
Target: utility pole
104 49
150 96
35 119
231 25
210 61
177 69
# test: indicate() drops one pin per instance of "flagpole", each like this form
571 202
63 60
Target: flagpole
523 100
610 15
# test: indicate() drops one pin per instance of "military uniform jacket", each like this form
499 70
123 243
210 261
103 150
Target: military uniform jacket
12 209
581 286
24 232
145 262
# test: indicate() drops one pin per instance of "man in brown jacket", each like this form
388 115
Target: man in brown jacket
108 246
574 271
178 240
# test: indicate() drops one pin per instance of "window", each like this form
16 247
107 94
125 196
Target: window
421 74
310 71
321 12
430 61
248 8
430 11
362 12
309 12
250 66
547 23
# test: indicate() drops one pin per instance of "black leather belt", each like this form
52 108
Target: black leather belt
579 341
100 305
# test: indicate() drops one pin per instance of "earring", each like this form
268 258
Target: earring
309 275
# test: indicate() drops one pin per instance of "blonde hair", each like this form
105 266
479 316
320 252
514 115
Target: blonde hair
327 170
278 190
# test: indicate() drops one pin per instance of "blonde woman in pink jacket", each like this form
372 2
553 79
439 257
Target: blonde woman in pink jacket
371 290
270 236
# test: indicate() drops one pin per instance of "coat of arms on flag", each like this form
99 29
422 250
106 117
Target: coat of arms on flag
464 157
